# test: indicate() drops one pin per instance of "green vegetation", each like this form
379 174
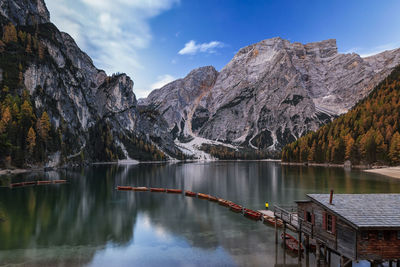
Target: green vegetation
368 133
27 135
227 153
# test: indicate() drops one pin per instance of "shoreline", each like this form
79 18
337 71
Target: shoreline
334 165
393 172
126 162
18 171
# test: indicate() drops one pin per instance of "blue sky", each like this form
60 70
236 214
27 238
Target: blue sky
156 41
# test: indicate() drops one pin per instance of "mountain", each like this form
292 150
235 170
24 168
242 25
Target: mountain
368 133
57 107
270 93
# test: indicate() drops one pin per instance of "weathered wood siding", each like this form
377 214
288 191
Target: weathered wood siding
346 239
343 240
375 249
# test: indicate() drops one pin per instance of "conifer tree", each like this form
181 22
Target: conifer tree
10 33
31 140
394 151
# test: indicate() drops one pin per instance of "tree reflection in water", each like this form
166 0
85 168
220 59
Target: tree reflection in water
88 222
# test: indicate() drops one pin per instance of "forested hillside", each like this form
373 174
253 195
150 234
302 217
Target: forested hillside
368 133
28 135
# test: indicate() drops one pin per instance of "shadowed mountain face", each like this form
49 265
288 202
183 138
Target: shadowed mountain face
268 95
271 92
96 115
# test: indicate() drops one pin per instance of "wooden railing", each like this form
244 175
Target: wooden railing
287 214
307 227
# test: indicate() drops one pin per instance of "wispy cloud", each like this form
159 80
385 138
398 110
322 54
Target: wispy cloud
112 32
162 80
363 52
191 48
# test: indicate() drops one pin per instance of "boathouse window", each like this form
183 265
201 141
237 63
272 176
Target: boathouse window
380 235
364 235
329 223
387 235
309 217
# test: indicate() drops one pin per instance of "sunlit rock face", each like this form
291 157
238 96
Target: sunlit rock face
274 91
25 12
268 95
176 100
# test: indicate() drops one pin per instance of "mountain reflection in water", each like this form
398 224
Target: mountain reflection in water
88 222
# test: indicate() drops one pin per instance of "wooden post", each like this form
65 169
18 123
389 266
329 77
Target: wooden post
284 237
398 263
329 257
276 253
318 253
390 263
307 243
299 238
307 259
276 230
325 252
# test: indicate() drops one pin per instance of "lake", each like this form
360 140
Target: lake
86 222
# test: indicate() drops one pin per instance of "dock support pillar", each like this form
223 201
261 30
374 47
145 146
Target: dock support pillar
276 230
307 243
284 237
398 263
342 261
390 263
329 257
325 254
318 253
299 247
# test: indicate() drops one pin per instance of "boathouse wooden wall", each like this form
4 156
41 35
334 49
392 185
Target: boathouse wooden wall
343 239
374 248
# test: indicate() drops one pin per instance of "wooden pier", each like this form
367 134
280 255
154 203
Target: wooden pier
327 227
351 227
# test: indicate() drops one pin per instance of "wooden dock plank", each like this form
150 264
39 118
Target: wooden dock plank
269 213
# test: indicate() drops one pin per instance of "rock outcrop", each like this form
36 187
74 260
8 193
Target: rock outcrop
273 92
268 95
97 116
25 12
177 100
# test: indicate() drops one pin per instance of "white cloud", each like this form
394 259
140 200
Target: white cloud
363 52
191 48
112 32
162 80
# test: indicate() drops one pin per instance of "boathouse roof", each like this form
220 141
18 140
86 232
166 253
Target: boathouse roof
364 210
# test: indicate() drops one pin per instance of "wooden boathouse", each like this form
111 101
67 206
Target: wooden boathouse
353 226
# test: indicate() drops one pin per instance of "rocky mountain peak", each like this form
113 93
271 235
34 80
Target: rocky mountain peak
273 92
25 12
